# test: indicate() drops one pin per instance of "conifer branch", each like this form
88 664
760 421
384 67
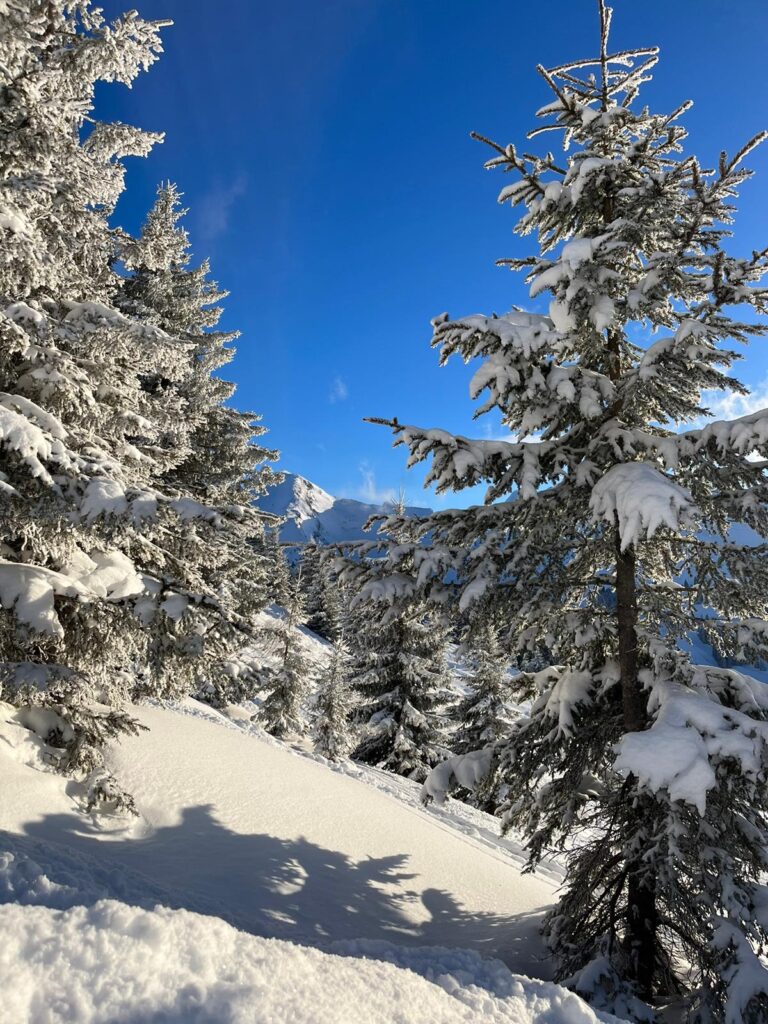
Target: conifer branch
393 423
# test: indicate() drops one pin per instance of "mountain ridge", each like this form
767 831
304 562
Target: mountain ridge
309 512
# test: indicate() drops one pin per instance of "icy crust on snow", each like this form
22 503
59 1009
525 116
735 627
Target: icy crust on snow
643 499
127 963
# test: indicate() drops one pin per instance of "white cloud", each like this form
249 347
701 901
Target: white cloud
339 392
497 433
214 210
727 405
369 491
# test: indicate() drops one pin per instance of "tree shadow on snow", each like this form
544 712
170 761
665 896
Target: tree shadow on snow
285 888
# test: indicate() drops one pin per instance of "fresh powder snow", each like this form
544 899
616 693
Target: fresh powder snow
247 852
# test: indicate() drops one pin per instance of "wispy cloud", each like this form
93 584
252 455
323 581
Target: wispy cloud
727 405
498 433
368 490
215 210
339 392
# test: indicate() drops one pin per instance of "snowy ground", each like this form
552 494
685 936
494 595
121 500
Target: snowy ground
110 962
275 842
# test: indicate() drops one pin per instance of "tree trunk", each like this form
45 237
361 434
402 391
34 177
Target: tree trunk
642 926
642 915
633 699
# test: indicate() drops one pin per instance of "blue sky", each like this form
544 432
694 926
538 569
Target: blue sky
324 152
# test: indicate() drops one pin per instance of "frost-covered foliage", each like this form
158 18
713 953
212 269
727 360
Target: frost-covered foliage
279 574
118 571
399 675
281 711
223 466
217 462
604 538
332 729
322 601
74 434
485 714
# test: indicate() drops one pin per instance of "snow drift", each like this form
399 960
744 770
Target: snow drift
111 962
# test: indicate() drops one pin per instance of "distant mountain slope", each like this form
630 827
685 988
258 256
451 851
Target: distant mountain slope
310 511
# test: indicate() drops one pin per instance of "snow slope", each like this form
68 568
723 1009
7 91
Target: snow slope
260 884
310 510
276 842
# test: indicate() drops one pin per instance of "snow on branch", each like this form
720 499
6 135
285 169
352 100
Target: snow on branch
742 435
466 770
525 334
30 591
31 442
642 499
460 462
691 735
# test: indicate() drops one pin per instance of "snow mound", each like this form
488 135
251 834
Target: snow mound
128 964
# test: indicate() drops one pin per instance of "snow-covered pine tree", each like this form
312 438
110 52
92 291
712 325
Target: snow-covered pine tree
320 600
326 617
485 714
104 572
279 572
217 462
336 599
280 712
333 733
605 536
224 465
71 423
399 676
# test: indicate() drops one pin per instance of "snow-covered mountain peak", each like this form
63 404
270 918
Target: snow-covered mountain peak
308 500
309 511
303 500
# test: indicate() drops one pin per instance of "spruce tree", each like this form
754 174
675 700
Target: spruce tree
280 712
278 570
312 586
605 539
484 716
399 676
121 569
76 444
216 462
223 465
332 729
321 592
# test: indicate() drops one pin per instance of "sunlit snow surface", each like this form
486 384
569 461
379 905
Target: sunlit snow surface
110 962
270 843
